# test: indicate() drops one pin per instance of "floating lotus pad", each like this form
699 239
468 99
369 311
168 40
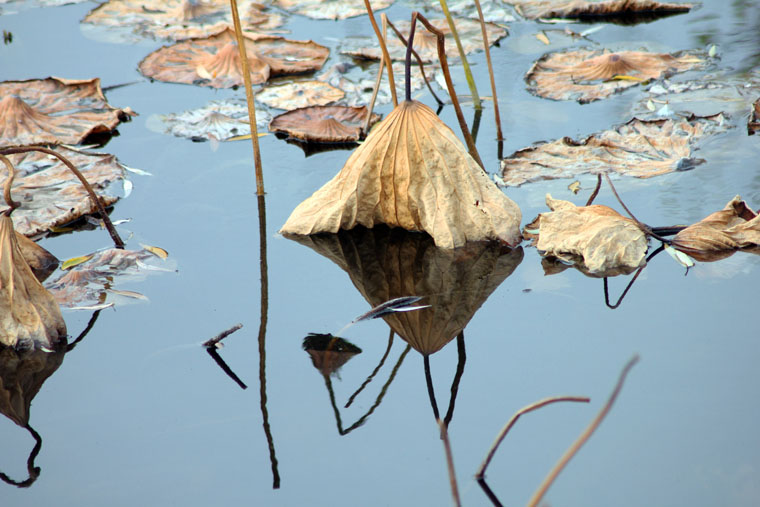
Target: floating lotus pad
55 111
323 124
535 9
494 11
299 94
214 61
701 97
587 75
219 120
638 148
426 43
330 9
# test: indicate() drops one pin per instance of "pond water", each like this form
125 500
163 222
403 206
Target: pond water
138 413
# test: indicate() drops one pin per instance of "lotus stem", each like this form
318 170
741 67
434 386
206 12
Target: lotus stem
408 61
644 227
467 72
461 360
248 98
596 190
496 115
374 372
378 80
386 56
7 186
419 61
583 438
452 92
449 463
118 243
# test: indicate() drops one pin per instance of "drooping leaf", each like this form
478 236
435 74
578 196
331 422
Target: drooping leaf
412 172
616 9
299 94
323 124
330 9
55 111
638 148
221 120
586 75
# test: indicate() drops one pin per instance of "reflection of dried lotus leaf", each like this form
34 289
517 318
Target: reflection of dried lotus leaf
218 119
22 373
494 11
734 227
180 19
329 9
299 94
638 148
88 283
754 118
384 264
534 9
600 239
323 124
51 195
329 353
55 111
214 61
412 172
587 75
29 315
426 43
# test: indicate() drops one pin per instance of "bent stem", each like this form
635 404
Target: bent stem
496 115
118 243
449 462
7 186
467 72
374 372
386 56
419 60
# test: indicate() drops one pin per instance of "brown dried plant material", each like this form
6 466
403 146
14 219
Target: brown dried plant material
638 148
329 353
412 172
587 75
596 238
214 61
323 124
51 195
753 125
55 111
29 315
734 227
384 264
425 43
22 373
330 9
299 94
41 262
535 9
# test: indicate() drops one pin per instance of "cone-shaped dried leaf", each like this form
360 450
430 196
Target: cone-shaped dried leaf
638 148
29 315
299 94
330 9
52 195
214 61
384 264
754 118
734 227
412 172
426 43
600 239
22 373
323 124
55 111
534 9
329 353
587 75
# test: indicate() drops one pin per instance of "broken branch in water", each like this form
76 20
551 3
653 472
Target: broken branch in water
221 336
224 366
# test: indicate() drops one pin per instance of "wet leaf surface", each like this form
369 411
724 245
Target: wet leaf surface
536 9
330 9
220 120
587 75
323 124
299 94
412 172
55 111
214 61
638 148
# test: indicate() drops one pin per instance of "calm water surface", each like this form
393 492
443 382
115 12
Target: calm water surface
138 414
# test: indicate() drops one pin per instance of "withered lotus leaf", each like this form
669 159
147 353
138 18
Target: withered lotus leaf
412 172
638 148
734 227
671 98
596 237
586 75
218 120
384 264
330 9
214 61
50 193
754 118
29 315
55 111
329 353
299 94
323 124
494 11
534 9
426 43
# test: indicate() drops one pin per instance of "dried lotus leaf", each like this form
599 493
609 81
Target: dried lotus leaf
323 124
299 94
536 9
329 9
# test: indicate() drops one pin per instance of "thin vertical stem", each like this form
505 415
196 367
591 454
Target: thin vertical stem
378 80
417 56
386 56
467 72
408 61
449 462
429 382
497 116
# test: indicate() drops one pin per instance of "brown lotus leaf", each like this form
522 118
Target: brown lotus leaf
55 111
51 195
181 19
29 315
754 118
22 373
412 172
214 61
40 261
330 9
299 94
384 264
426 43
535 9
329 353
734 227
597 238
587 75
638 148
323 124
